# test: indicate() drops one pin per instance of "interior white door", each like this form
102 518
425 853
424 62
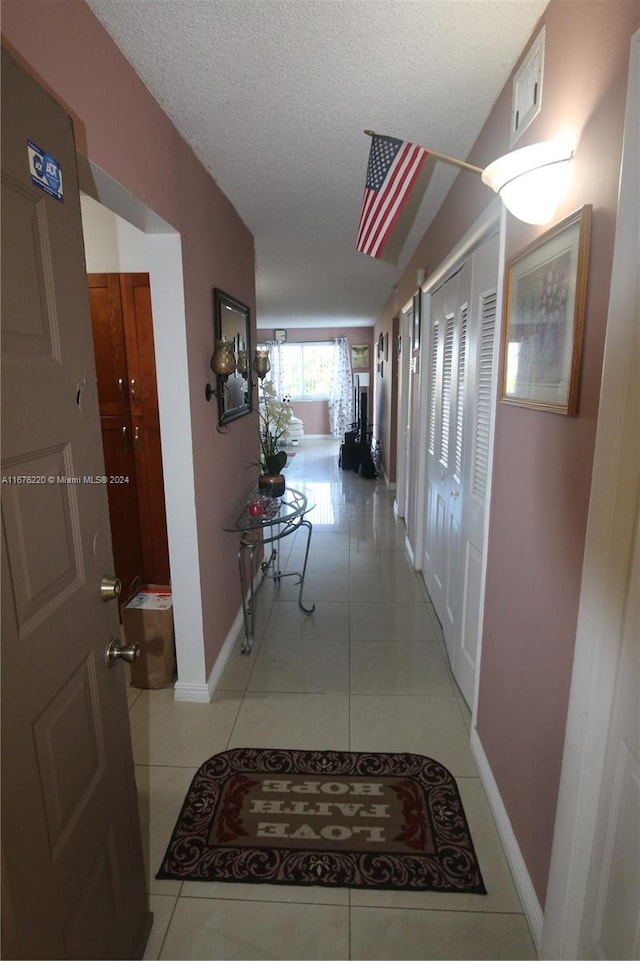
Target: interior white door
432 566
403 464
461 332
447 350
413 438
475 427
611 925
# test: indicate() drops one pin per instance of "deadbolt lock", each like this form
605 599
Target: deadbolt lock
110 588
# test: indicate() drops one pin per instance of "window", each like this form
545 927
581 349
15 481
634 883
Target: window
306 371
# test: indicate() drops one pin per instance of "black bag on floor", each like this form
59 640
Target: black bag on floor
367 468
349 456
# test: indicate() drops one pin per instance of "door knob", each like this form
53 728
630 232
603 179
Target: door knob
110 588
124 652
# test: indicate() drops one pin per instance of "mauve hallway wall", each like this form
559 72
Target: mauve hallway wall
120 127
542 462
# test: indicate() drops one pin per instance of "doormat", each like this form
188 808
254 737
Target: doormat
332 818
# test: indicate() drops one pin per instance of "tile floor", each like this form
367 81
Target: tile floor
367 671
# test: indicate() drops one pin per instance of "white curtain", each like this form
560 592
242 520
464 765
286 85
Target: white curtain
341 397
275 373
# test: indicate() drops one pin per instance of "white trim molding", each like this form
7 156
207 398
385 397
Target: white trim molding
521 877
203 693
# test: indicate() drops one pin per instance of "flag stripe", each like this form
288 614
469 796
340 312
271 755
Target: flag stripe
379 199
381 207
387 208
394 205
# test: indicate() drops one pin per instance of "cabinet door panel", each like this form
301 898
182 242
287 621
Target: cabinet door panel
109 342
138 334
151 507
120 468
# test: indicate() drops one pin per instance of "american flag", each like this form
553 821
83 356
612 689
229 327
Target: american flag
393 168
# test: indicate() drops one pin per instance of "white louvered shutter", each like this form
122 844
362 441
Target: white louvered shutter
480 466
462 356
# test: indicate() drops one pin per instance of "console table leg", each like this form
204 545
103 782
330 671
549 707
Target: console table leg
248 606
306 610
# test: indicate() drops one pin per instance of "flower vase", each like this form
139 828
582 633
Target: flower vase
272 485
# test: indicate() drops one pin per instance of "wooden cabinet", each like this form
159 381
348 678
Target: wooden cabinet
125 362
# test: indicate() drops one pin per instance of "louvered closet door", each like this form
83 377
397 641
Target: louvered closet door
478 412
445 434
459 368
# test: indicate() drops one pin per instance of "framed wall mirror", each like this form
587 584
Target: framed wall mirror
231 323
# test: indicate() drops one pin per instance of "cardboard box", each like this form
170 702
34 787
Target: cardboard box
147 619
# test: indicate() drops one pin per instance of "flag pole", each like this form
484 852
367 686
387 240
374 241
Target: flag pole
442 156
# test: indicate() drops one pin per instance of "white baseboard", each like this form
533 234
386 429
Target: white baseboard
202 693
409 550
522 880
198 693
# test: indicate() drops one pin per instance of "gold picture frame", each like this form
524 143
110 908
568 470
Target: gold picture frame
545 295
360 356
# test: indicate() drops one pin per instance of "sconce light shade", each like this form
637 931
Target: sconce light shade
223 361
531 181
261 363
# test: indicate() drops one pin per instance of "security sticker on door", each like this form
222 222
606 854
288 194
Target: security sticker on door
45 171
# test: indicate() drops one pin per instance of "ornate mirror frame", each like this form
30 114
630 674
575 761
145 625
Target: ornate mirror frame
231 320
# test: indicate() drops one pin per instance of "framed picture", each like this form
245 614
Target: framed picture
380 345
417 301
360 356
280 336
386 346
545 292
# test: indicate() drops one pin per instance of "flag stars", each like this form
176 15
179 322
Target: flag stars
383 153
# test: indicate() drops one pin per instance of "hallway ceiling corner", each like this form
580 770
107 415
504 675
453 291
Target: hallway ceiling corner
273 97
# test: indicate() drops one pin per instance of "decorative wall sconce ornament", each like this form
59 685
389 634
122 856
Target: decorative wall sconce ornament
223 363
261 363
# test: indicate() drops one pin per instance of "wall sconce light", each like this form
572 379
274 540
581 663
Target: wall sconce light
261 363
223 363
531 181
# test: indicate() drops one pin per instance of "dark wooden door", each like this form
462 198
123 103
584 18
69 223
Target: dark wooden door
110 347
73 883
123 494
137 320
147 451
122 323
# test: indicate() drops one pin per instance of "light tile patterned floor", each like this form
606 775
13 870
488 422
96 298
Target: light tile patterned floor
367 671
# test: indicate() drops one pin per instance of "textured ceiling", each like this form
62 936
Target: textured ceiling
274 95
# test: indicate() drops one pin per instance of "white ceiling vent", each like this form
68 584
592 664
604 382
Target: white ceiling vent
527 89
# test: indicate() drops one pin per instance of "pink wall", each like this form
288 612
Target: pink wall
542 462
120 127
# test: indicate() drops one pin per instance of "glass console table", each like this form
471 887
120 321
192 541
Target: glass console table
279 518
